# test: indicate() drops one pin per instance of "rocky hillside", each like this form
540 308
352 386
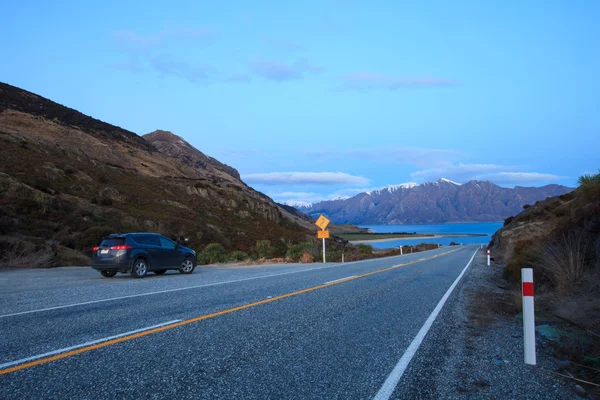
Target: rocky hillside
69 179
174 146
434 202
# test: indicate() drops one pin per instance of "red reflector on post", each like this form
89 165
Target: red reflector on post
121 247
527 288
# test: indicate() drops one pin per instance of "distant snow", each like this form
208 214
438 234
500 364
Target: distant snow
297 203
449 181
393 188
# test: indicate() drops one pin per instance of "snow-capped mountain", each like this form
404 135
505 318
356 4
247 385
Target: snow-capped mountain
434 202
297 203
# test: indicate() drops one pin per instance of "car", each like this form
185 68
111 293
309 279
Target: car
139 253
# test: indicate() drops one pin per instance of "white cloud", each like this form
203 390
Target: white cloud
305 178
500 174
375 80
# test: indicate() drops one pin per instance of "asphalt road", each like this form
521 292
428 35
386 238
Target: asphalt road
302 331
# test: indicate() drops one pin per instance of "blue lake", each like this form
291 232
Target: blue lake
487 228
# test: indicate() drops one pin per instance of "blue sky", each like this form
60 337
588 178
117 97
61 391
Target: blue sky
319 99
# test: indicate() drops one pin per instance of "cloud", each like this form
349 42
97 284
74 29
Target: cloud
181 69
375 80
154 52
500 174
279 71
238 78
305 178
421 157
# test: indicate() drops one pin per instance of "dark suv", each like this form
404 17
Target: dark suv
138 253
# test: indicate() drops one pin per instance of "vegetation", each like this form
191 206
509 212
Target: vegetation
562 245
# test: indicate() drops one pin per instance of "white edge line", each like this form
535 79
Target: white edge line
388 387
180 289
339 280
64 350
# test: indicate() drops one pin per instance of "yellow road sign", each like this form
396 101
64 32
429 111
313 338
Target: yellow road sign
322 222
323 234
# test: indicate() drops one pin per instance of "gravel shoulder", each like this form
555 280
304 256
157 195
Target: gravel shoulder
475 349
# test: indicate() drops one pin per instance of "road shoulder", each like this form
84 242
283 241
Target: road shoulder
475 349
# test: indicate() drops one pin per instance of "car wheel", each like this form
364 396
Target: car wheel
187 266
140 268
160 271
108 274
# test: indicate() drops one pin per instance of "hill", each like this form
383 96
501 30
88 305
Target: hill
68 179
433 202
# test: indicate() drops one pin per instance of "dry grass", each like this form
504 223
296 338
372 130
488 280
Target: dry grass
19 257
564 260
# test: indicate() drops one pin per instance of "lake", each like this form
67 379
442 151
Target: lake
487 228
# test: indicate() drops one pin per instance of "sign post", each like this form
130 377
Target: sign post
488 254
322 223
528 315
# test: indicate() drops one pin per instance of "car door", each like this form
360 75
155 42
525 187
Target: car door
153 249
170 252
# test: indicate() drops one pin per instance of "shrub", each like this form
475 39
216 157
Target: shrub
212 253
565 258
365 248
526 206
508 220
238 256
17 256
296 251
264 249
307 258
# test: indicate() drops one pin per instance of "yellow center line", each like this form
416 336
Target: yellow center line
200 318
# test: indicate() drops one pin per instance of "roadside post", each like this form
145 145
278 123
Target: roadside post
322 223
400 250
528 315
488 254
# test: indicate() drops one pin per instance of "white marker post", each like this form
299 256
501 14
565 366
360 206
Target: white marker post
342 258
528 315
400 250
323 250
410 249
488 258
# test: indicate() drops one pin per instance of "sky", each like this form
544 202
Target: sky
321 99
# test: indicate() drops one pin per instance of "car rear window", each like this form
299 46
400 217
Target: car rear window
108 242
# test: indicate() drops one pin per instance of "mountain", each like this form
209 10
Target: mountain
434 202
174 146
67 179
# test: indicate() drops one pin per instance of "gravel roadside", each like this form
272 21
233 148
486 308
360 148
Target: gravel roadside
475 349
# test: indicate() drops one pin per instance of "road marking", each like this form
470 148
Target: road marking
388 387
86 344
343 279
158 329
176 289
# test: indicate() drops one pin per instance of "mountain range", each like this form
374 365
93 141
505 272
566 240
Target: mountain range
443 201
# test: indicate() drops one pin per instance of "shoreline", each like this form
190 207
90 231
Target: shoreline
413 238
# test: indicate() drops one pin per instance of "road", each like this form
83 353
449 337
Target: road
302 331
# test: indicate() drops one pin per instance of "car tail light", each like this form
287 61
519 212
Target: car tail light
121 247
95 248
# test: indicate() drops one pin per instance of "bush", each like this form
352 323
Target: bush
238 256
21 256
526 206
296 251
564 260
212 253
307 258
265 250
508 220
365 248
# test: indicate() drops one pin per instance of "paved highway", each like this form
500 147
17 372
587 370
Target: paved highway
302 331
